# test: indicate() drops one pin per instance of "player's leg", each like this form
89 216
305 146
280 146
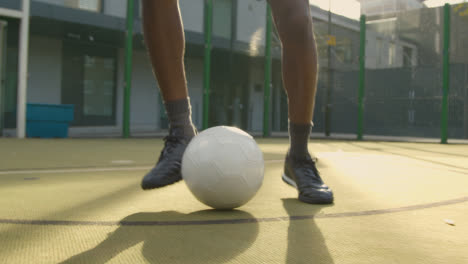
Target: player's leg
299 57
164 37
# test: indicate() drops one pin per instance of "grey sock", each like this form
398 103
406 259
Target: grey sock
179 113
299 135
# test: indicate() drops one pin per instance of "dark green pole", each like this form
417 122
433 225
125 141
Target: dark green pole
329 75
446 75
128 69
207 61
267 85
362 78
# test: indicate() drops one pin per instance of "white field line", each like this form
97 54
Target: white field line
47 171
104 169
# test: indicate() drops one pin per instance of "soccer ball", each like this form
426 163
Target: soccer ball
223 167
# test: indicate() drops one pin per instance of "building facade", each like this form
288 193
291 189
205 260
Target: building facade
76 56
383 7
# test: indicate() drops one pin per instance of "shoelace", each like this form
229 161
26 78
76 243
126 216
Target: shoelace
308 163
169 143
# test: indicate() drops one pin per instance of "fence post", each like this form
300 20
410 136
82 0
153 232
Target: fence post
445 76
267 85
362 79
207 61
128 68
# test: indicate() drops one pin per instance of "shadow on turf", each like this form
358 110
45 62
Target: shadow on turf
176 243
206 243
306 243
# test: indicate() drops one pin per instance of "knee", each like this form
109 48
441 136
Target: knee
295 26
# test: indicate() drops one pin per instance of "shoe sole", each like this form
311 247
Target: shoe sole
289 181
146 188
160 184
322 197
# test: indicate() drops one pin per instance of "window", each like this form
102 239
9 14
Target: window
344 50
89 83
407 56
91 5
379 48
437 42
98 86
391 54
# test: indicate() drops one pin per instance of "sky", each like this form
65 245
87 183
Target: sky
351 8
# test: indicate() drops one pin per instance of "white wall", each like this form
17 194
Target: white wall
115 8
192 14
45 70
54 2
378 7
144 105
111 7
251 22
222 18
84 4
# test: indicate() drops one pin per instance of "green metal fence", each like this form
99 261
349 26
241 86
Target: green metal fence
401 73
386 75
383 75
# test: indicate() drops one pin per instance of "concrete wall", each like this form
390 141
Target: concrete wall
145 107
222 18
53 2
192 14
115 8
111 7
251 20
379 7
11 4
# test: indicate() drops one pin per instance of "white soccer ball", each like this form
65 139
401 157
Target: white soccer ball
223 167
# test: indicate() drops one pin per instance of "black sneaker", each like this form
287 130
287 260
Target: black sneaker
168 168
303 175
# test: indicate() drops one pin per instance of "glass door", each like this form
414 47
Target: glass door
89 83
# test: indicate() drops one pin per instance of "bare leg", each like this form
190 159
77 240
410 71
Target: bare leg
165 42
164 37
299 53
294 24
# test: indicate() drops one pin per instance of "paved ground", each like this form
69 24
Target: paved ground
79 201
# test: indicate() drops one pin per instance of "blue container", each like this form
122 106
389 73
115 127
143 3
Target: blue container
48 121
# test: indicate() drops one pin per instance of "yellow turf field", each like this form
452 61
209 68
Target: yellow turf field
79 201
